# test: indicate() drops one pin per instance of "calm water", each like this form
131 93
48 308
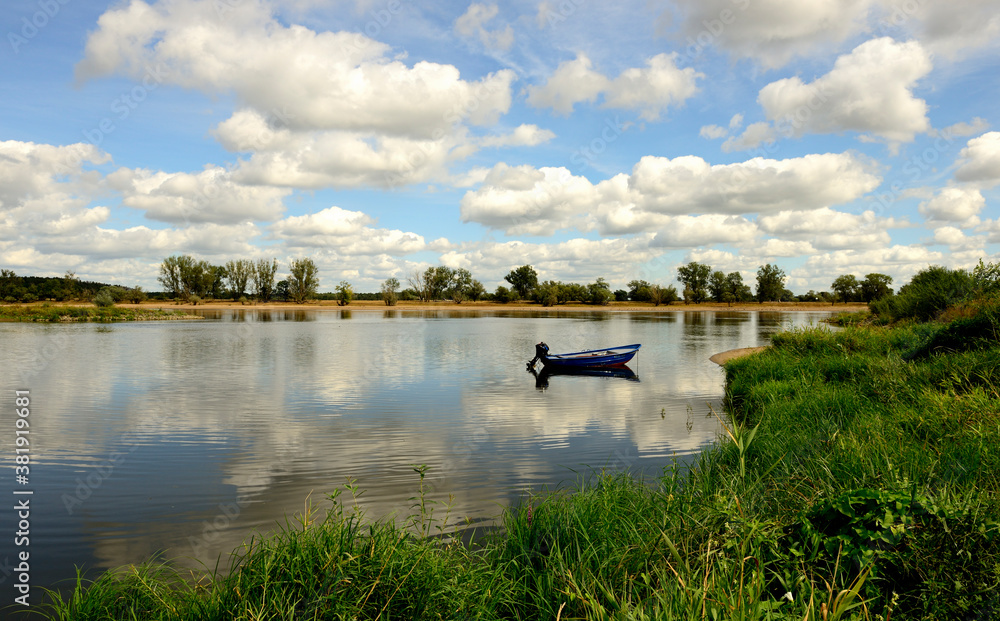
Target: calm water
181 438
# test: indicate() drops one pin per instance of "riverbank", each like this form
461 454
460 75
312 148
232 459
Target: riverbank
375 305
858 479
66 313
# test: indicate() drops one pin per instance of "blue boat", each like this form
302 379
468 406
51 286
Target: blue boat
592 358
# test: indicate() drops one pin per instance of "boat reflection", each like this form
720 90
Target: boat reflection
542 377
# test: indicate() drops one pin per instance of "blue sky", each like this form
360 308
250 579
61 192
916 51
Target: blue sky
382 137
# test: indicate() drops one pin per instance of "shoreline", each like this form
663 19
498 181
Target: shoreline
374 305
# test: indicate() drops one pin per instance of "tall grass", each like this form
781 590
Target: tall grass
46 313
855 480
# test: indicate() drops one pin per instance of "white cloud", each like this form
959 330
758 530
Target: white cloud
573 81
713 132
955 239
208 196
524 135
754 135
651 89
302 79
704 230
771 31
951 28
690 185
868 90
961 205
345 232
472 23
981 160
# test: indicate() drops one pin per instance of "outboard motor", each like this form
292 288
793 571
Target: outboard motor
541 350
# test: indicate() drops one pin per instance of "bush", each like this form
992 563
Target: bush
930 292
243 300
195 300
136 295
104 298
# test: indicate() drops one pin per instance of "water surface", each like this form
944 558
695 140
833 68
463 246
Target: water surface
181 438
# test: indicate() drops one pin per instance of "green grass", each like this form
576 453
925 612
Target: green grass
54 314
857 479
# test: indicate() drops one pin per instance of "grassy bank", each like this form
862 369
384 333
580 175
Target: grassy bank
858 480
45 313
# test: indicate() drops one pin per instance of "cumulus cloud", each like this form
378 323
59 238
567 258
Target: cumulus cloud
959 205
951 28
868 90
540 201
981 160
713 132
771 31
650 89
704 230
525 135
689 184
208 196
754 135
346 232
305 80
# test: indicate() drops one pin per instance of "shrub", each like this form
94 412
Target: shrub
930 292
243 300
195 300
104 298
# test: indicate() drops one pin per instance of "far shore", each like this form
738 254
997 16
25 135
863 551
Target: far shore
374 305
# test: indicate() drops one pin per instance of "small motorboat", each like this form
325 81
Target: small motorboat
592 358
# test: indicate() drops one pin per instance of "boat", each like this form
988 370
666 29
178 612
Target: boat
592 358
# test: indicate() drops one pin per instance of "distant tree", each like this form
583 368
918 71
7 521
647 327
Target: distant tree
344 293
389 291
638 290
170 276
599 292
770 283
9 284
262 278
662 295
104 298
238 275
621 295
739 291
303 281
419 285
461 285
846 287
717 287
503 295
476 291
694 276
523 279
280 291
439 282
136 295
573 292
548 293
875 286
71 285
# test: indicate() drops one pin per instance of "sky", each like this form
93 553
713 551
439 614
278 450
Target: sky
587 139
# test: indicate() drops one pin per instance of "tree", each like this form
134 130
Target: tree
389 291
71 285
303 281
438 282
662 295
717 287
638 291
135 295
9 282
238 274
740 292
263 278
846 288
694 276
504 295
170 277
875 286
523 280
419 285
461 285
280 291
599 292
770 283
476 291
344 293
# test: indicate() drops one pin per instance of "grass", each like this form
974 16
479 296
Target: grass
46 313
857 480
